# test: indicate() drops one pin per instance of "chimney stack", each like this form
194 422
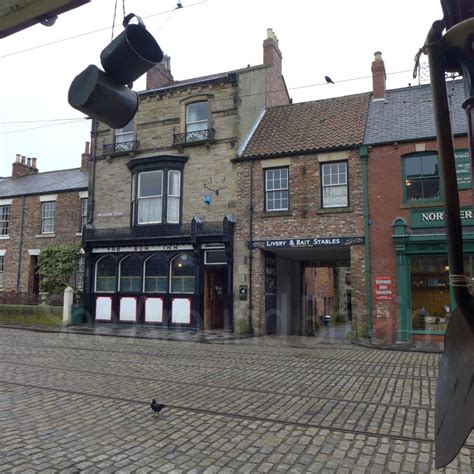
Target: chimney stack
85 157
160 75
378 76
23 166
271 52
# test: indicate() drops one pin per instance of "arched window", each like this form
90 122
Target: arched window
131 274
105 274
156 270
182 274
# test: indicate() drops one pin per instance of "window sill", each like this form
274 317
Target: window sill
334 210
431 203
4 237
287 213
45 236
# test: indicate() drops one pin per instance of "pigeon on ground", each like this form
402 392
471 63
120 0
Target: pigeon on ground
156 407
328 80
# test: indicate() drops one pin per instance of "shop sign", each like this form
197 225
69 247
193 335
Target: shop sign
109 214
463 168
383 288
141 248
308 242
434 217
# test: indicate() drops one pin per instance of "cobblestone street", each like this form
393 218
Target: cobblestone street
76 402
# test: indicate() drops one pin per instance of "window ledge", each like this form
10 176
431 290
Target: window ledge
287 213
334 210
45 236
412 204
4 237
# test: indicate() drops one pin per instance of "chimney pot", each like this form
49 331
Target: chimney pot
28 162
18 158
23 159
33 163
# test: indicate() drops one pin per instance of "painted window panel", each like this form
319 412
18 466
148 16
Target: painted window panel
181 311
128 309
154 310
103 308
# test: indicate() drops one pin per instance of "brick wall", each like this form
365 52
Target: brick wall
305 219
67 228
386 204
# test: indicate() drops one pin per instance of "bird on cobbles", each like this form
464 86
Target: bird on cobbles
156 407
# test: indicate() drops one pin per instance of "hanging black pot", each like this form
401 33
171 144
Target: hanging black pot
132 53
94 94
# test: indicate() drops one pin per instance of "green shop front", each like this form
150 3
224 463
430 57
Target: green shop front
425 298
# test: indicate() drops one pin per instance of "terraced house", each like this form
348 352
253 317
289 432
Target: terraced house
160 244
37 209
300 208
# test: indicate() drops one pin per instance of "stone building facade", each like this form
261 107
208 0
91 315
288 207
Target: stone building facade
160 244
301 206
408 288
37 209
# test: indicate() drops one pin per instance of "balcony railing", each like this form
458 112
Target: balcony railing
197 136
122 147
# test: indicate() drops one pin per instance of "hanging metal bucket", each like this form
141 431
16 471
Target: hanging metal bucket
94 94
131 54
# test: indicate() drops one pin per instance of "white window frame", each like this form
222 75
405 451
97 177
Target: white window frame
122 136
49 218
95 277
178 196
5 223
329 185
269 191
149 197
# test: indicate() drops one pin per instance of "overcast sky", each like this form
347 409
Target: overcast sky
317 38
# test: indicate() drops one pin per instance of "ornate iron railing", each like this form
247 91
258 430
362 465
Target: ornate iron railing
121 147
193 137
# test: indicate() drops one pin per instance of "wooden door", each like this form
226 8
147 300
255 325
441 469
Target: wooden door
215 290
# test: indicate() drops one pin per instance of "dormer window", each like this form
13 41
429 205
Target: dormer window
197 121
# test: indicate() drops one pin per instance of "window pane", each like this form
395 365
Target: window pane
4 219
197 112
47 217
173 183
431 188
173 210
149 210
156 270
124 134
105 274
83 212
150 184
335 196
182 274
131 274
1 271
413 166
429 165
277 200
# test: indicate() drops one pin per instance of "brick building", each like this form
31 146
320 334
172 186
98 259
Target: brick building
37 209
300 207
160 244
409 296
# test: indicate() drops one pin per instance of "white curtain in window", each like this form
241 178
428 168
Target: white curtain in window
149 210
174 178
335 196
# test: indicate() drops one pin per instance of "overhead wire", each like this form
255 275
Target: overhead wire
51 43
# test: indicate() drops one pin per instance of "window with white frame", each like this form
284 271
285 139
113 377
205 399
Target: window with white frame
83 212
150 197
276 189
159 197
130 274
48 211
334 184
2 260
105 274
124 135
197 121
4 219
174 196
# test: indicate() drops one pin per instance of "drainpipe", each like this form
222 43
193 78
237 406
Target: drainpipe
250 244
20 245
364 156
91 201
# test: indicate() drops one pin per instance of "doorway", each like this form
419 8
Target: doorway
215 290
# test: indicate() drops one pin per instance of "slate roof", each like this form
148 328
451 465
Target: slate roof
205 79
44 183
407 114
334 123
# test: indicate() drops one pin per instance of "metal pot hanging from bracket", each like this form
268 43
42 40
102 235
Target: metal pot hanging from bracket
107 96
